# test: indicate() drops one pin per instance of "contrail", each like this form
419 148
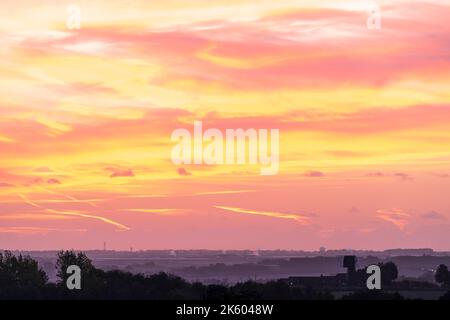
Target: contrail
75 213
28 201
83 215
69 197
299 218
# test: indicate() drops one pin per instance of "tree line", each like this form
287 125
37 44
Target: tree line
22 278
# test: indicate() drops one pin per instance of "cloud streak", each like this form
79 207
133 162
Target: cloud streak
396 216
296 217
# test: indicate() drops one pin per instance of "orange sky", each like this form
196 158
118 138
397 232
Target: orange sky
86 118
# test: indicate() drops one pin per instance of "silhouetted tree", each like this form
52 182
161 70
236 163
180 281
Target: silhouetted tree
92 284
217 292
389 272
442 275
249 290
21 277
68 258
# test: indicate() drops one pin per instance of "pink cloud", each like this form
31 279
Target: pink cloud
53 181
36 180
403 176
399 175
370 121
314 174
376 174
121 173
5 185
243 54
183 172
433 215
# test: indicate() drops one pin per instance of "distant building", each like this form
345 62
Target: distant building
350 264
340 280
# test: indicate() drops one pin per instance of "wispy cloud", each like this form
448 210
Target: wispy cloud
32 216
314 174
53 181
433 215
35 230
396 216
402 176
28 201
6 139
157 211
224 192
91 202
296 217
115 172
183 172
80 214
6 185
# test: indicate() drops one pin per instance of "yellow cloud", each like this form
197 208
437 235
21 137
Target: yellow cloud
235 63
54 126
6 139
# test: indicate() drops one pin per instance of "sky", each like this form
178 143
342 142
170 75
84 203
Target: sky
86 117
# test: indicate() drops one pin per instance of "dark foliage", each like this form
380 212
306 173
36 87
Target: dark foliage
446 296
442 275
22 278
372 295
